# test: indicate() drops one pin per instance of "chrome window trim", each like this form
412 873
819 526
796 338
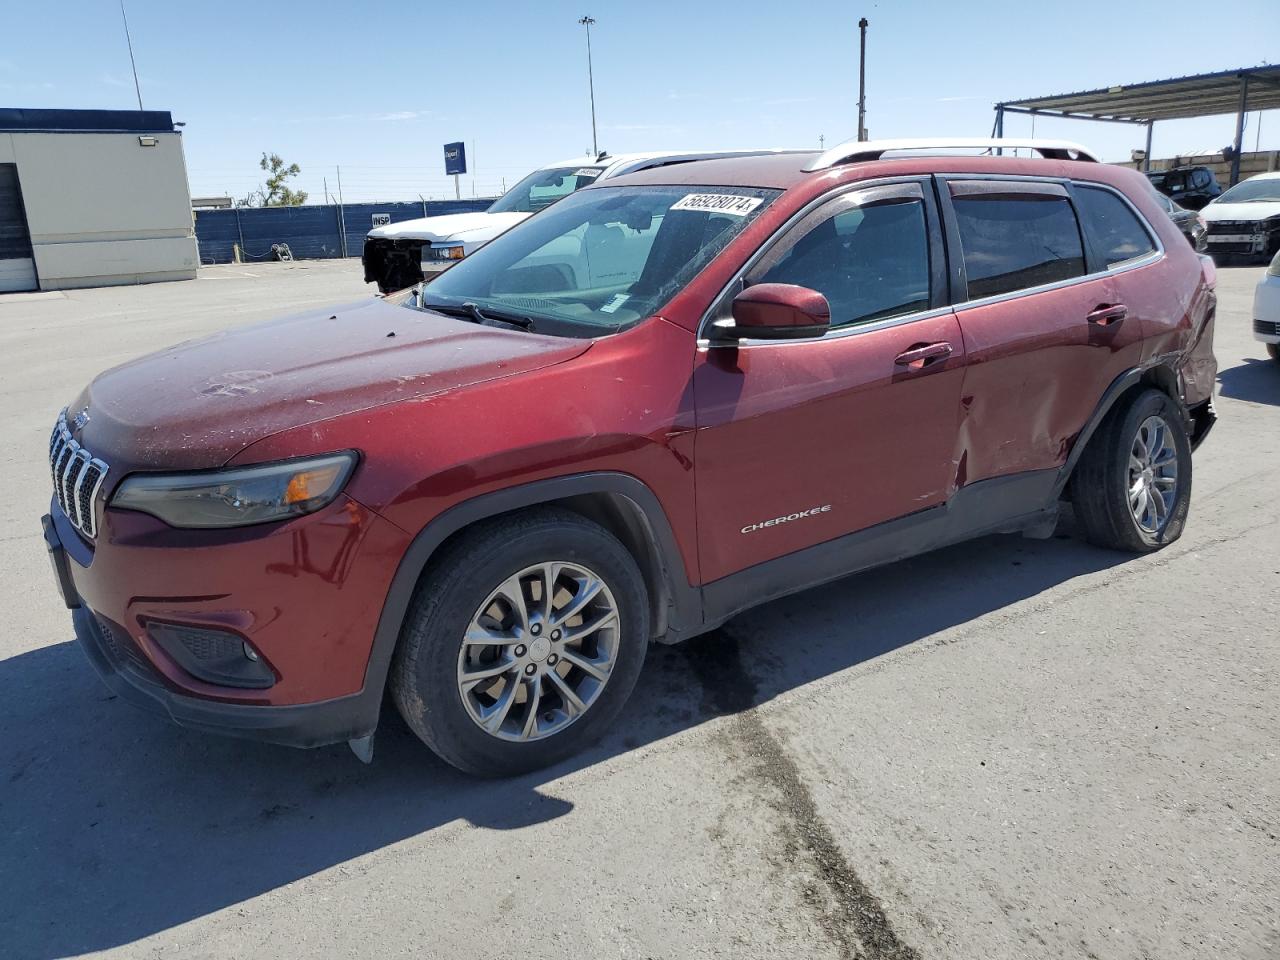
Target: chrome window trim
836 333
705 343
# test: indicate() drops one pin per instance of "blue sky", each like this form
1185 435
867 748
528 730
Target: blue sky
379 86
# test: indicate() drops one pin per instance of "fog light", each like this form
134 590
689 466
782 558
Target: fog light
211 655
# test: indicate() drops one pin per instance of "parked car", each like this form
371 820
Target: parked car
1188 221
401 254
1246 219
1266 309
492 493
1190 187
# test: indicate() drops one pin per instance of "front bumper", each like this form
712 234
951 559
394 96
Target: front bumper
1245 239
1266 310
300 725
302 595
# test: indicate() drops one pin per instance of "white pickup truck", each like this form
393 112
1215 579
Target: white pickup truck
399 255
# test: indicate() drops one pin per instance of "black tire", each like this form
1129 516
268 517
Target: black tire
424 679
1100 485
1273 351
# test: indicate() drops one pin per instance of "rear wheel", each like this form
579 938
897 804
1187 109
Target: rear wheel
1132 488
522 644
1273 351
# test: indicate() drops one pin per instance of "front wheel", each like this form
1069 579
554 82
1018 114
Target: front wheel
523 643
1132 488
1273 351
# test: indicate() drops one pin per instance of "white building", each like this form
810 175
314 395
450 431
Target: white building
92 197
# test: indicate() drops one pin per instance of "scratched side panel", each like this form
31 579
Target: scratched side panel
1037 369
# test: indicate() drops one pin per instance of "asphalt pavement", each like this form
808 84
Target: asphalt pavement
1005 749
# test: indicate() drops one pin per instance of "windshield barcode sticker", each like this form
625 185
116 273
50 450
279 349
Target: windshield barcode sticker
617 300
729 203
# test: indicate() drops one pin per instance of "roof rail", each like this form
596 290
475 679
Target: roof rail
670 159
854 151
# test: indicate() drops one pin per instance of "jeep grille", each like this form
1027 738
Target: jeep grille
77 477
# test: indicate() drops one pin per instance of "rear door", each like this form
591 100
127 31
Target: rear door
17 268
1043 327
800 442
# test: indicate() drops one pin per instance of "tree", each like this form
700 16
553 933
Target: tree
275 192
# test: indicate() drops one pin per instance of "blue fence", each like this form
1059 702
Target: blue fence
312 232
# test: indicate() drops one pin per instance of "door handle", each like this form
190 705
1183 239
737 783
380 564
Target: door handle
917 358
1106 314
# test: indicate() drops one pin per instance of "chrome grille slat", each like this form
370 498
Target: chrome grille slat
64 488
77 478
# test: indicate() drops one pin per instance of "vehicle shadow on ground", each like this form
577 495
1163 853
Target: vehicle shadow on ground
116 825
1254 380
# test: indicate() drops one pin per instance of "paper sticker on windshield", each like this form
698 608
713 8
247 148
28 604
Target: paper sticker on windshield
587 172
617 300
729 203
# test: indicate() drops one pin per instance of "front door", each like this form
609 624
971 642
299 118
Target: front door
801 442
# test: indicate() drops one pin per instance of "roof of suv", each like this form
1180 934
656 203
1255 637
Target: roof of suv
782 171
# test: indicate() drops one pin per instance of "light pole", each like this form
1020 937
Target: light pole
132 63
591 85
862 81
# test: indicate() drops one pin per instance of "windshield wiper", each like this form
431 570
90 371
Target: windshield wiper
471 311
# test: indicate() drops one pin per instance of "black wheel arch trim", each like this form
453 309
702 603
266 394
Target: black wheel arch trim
680 605
1159 373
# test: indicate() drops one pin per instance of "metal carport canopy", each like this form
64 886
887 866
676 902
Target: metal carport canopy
1179 98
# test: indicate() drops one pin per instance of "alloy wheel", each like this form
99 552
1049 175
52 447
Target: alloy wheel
1153 475
539 651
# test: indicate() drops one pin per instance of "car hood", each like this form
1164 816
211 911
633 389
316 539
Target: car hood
199 403
455 226
1259 210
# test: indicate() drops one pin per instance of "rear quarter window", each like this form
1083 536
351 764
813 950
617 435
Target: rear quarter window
1115 231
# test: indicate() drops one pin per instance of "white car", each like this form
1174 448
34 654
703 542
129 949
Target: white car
402 254
1266 309
1246 219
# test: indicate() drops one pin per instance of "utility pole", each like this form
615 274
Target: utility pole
591 85
128 39
862 80
342 216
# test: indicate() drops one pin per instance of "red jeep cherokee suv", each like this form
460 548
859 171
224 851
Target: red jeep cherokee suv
656 403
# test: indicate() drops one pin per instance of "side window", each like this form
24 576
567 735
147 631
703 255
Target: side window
1116 232
1015 241
871 261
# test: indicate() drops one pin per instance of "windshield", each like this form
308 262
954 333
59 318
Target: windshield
543 188
602 259
1252 191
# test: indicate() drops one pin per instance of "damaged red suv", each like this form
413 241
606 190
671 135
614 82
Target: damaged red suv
652 405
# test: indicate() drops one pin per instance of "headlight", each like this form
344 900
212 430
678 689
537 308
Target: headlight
1274 269
446 253
240 496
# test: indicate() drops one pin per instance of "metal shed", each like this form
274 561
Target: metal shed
92 197
1180 98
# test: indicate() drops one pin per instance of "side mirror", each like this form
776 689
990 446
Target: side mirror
776 311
